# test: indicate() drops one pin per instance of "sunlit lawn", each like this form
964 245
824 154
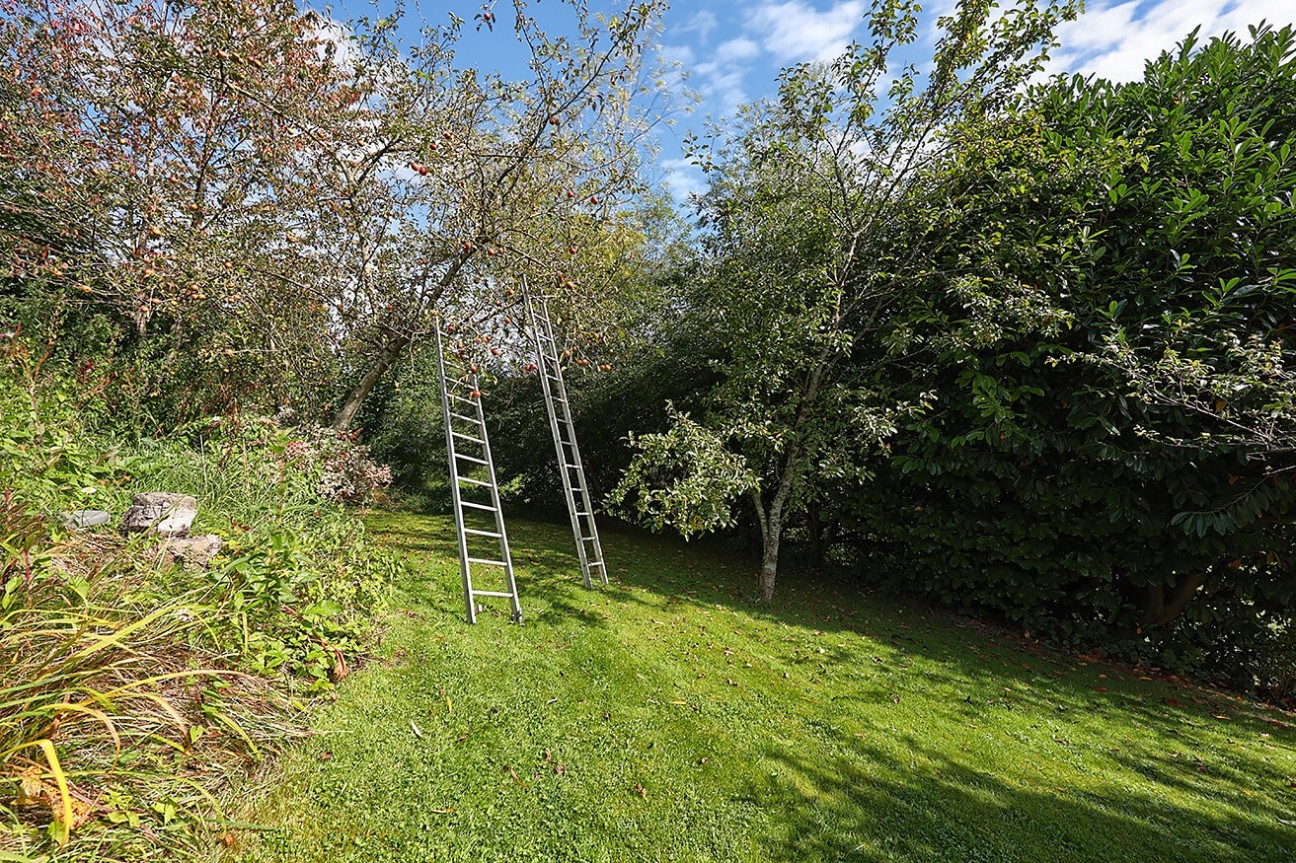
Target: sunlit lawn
669 717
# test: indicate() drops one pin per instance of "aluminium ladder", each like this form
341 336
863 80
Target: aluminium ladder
570 466
465 427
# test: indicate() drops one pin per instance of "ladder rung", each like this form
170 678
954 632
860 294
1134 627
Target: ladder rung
596 563
464 418
489 533
470 458
462 399
585 513
503 593
473 481
557 399
588 538
467 436
477 505
575 466
487 562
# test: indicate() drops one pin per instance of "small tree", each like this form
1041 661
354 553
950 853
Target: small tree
801 258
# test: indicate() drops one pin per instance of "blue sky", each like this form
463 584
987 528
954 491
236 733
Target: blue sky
731 53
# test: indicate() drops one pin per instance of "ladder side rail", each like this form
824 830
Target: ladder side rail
465 569
586 501
547 358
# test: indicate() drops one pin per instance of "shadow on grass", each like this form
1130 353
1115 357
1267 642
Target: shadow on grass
544 559
649 570
989 677
936 809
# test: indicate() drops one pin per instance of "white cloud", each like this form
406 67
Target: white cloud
794 30
681 54
701 23
720 79
683 178
1114 39
721 86
741 48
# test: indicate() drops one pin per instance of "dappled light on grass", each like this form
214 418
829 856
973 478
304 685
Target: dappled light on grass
672 716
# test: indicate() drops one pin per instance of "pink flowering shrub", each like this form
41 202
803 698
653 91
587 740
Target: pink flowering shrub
347 473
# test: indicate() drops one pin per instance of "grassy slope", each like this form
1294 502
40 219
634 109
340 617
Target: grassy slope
827 728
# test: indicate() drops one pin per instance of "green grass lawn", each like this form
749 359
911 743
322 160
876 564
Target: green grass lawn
669 717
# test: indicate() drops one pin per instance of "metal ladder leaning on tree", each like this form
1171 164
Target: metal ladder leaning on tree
588 548
465 427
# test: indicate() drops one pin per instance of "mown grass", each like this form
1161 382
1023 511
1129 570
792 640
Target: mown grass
670 717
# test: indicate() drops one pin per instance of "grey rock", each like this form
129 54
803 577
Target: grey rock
81 519
191 550
168 514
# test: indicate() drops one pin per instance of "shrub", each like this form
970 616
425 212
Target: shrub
133 687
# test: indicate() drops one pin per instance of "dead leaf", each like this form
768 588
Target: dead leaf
641 791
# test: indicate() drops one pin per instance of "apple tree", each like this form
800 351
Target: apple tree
801 260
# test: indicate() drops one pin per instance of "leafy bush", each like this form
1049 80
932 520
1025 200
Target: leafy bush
132 684
1105 316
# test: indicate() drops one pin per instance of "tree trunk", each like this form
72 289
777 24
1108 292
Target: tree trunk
815 529
769 560
771 524
1162 607
355 399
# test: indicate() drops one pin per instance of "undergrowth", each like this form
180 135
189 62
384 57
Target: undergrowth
134 687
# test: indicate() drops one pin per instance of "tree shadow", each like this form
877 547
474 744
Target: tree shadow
996 670
865 805
868 806
544 559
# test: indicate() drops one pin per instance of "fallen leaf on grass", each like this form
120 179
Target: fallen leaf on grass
446 696
641 791
326 756
449 811
415 729
1221 716
516 778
